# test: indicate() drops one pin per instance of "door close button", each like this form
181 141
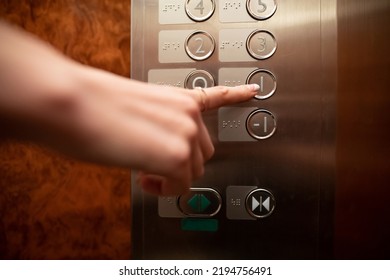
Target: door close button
260 203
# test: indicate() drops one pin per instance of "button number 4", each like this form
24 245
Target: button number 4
200 7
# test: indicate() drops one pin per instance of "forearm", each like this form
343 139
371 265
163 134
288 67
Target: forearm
34 79
98 116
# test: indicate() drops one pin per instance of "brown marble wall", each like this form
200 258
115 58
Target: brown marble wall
52 207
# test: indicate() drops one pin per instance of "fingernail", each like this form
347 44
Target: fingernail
254 87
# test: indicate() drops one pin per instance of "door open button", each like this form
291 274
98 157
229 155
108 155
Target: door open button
200 202
260 203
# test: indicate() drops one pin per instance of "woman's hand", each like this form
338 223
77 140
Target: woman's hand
158 130
101 117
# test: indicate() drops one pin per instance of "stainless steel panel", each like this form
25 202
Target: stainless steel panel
296 164
362 206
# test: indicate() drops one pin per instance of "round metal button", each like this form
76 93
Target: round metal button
261 9
261 124
200 45
199 78
200 10
260 203
200 202
261 44
266 80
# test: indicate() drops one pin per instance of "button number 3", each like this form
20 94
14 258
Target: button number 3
262 44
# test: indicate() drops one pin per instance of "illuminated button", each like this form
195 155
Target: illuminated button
261 9
260 203
200 10
266 80
200 45
199 78
200 202
261 124
261 44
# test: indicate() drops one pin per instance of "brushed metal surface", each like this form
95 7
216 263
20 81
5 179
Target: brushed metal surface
362 206
296 164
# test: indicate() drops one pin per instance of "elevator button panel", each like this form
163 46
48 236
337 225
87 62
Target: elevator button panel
271 169
229 56
241 203
192 11
233 45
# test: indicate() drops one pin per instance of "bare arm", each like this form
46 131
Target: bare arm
97 116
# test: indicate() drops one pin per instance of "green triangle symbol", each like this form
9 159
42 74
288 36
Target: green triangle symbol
199 203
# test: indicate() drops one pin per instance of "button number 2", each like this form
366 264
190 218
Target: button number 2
199 49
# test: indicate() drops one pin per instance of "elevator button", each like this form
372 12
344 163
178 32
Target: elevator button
266 80
260 203
261 9
235 202
261 44
199 78
199 45
200 202
200 10
261 124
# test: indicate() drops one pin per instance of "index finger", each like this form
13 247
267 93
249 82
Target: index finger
215 97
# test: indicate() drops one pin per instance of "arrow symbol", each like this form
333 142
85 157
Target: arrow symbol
266 204
255 203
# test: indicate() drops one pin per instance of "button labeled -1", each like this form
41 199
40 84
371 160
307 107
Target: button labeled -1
200 202
261 124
